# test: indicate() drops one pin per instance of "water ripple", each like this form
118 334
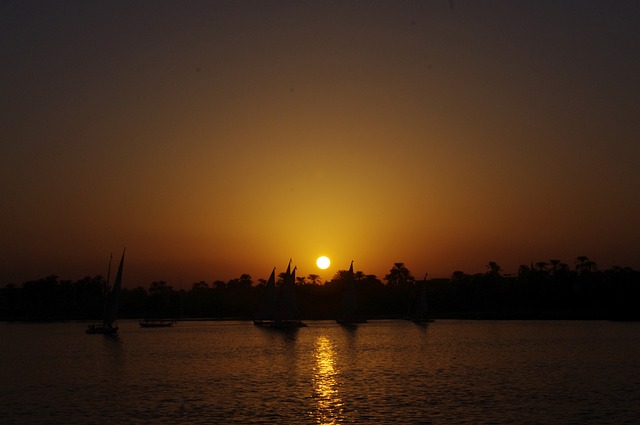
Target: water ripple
451 372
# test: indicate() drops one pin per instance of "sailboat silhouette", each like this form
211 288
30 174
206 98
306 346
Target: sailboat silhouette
110 316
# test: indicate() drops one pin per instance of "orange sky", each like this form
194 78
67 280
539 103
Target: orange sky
214 139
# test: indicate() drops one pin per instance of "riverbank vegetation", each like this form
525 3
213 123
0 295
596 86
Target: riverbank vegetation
542 290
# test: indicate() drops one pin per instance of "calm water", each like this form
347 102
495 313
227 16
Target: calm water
380 372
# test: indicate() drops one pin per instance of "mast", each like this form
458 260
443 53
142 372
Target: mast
105 309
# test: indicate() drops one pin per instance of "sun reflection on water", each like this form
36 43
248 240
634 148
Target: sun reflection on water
325 386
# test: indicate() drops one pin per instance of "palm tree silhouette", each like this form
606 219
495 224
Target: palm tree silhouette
399 275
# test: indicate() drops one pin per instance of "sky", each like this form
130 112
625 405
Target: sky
218 138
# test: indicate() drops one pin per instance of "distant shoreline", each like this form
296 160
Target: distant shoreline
488 317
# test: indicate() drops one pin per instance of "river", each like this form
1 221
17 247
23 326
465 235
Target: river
381 372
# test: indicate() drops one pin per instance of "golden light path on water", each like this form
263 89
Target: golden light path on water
325 387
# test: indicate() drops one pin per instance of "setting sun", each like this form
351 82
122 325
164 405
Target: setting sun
323 262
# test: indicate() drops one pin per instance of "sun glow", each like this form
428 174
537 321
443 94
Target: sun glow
323 262
325 385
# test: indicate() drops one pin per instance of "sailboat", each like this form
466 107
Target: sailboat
265 316
420 309
286 314
109 325
349 304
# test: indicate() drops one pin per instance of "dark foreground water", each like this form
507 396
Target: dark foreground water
381 372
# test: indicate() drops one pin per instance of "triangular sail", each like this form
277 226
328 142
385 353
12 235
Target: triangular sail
291 296
420 309
279 308
287 306
349 296
287 274
111 310
268 305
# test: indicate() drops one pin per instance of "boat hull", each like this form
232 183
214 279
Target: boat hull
422 321
280 324
156 323
104 330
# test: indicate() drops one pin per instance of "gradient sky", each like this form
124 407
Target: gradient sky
216 138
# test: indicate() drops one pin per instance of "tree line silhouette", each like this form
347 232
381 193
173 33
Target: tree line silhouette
542 290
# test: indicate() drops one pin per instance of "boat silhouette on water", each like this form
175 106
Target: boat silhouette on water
279 308
265 316
349 305
420 309
109 324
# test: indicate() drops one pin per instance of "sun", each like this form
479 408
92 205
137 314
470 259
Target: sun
323 262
